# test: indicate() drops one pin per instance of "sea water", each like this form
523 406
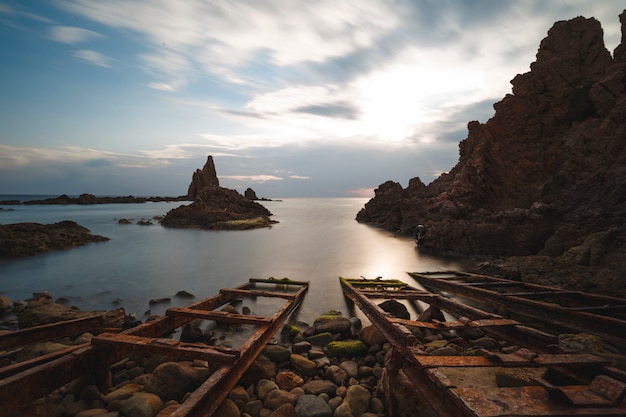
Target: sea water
315 240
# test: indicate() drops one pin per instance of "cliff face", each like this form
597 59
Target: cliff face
545 178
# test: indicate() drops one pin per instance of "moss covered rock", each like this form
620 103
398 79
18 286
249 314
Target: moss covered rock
347 348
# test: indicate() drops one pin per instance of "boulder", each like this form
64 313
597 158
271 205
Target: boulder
288 380
302 365
172 380
312 406
142 404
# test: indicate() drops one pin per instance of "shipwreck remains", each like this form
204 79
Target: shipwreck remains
557 383
24 382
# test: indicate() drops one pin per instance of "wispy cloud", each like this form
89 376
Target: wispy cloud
94 58
71 35
253 178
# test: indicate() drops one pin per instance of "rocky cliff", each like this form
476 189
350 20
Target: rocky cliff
542 184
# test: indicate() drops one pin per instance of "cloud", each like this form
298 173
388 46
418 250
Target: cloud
71 35
225 37
252 178
337 109
94 58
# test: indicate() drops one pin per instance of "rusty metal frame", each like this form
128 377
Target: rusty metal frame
446 400
525 300
27 382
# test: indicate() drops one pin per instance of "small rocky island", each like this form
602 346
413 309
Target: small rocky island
216 207
26 239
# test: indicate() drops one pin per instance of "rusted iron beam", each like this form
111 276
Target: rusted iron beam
219 316
599 325
21 389
256 293
16 368
49 331
525 401
400 295
519 334
207 398
121 344
396 333
509 360
456 325
283 281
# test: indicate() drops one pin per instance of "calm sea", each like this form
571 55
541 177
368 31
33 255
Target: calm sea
316 240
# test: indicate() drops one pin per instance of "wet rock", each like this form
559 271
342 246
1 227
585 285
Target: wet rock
321 339
431 313
122 393
333 325
278 397
350 367
5 303
264 387
336 374
301 347
319 386
277 353
372 336
142 404
239 393
302 365
261 368
288 380
395 308
285 410
228 409
312 406
172 380
358 398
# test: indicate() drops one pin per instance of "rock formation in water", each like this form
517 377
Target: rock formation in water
250 194
26 239
542 184
216 207
202 178
89 199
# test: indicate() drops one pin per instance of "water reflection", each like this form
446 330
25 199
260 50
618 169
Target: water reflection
317 240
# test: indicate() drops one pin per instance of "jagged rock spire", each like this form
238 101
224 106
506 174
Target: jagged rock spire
206 177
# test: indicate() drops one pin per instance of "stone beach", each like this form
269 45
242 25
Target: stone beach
334 367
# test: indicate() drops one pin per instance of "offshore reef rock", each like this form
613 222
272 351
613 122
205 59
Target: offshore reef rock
250 194
88 199
542 184
216 207
25 239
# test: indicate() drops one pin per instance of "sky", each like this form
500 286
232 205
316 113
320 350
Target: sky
292 98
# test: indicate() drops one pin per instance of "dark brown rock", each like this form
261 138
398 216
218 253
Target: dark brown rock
172 380
215 207
26 239
544 177
203 178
